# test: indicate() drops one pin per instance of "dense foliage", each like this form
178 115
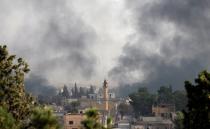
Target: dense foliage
43 118
6 120
143 100
124 109
178 122
12 93
180 100
165 95
65 92
17 108
72 107
197 115
92 120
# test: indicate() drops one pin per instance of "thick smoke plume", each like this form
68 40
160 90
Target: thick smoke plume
171 43
50 36
76 40
37 85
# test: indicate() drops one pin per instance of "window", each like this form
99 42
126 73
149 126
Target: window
71 122
163 106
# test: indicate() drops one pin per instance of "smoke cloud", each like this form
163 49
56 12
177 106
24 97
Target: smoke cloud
152 42
50 37
66 40
170 45
37 85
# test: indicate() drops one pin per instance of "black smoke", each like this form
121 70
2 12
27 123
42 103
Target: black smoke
171 43
39 86
50 35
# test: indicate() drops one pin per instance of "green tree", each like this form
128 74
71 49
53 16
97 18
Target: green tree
178 122
142 102
109 123
91 90
72 107
16 105
197 115
6 120
65 92
92 120
165 95
43 118
12 91
81 92
75 105
76 92
180 100
124 109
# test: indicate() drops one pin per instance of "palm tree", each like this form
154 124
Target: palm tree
92 120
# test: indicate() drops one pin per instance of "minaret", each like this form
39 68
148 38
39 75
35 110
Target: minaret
105 88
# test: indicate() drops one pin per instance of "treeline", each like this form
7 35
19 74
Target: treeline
194 104
142 100
76 92
65 93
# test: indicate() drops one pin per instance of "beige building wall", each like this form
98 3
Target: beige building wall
73 121
163 110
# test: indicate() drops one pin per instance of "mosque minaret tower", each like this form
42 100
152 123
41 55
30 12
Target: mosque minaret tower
106 96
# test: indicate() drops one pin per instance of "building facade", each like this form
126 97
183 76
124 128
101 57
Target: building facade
164 110
73 121
152 123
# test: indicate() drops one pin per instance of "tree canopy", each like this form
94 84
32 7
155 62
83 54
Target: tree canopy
142 101
17 108
165 95
6 120
65 92
12 92
197 115
92 120
124 109
43 118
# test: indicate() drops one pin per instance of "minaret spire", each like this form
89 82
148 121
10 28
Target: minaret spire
105 88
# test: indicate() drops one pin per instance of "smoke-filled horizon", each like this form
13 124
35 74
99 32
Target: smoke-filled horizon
171 43
152 42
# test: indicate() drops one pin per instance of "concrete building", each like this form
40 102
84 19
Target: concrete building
73 121
123 124
166 111
152 123
105 104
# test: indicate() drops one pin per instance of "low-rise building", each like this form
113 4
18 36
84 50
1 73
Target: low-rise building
152 123
123 124
73 121
164 110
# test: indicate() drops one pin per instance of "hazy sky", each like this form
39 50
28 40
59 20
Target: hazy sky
155 42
